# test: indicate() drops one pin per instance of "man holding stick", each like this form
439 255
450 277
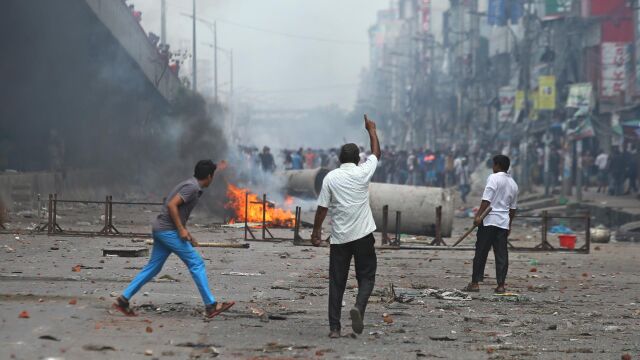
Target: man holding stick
501 194
170 235
345 193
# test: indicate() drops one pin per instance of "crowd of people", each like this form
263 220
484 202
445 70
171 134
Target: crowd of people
613 173
417 167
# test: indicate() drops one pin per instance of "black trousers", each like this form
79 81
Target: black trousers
488 237
363 251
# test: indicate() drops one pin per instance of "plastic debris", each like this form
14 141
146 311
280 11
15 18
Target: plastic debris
387 318
560 229
93 347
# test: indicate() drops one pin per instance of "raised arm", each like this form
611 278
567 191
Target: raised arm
370 125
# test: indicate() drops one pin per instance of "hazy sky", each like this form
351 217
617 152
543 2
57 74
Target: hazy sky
275 70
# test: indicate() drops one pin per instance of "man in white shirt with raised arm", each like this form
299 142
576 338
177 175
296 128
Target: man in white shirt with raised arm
345 194
501 193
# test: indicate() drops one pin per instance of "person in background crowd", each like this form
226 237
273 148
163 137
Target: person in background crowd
634 168
266 160
309 158
412 168
464 184
617 169
334 160
587 169
287 160
449 170
296 160
602 163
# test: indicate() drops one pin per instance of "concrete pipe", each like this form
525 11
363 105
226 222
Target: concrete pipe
417 204
305 183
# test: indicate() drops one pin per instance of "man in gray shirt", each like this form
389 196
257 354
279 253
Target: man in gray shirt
170 235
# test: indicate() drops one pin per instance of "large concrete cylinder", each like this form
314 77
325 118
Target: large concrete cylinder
305 183
417 205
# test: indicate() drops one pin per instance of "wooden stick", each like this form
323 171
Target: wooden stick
214 245
482 216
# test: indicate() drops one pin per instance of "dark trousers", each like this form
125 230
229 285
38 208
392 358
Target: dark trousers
488 237
363 251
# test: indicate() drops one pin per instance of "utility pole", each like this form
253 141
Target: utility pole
527 83
163 22
195 79
231 73
215 61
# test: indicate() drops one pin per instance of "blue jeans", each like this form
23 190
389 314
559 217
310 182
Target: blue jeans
165 243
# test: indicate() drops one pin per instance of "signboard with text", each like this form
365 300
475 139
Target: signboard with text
507 97
614 62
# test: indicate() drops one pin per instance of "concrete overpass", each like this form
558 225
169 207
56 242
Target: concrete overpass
81 86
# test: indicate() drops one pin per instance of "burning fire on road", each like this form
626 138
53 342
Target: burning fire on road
274 216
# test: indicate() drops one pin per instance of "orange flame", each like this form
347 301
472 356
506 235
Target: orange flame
236 201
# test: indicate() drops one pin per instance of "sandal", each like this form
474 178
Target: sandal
213 312
122 305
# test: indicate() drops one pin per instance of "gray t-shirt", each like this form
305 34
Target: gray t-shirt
190 191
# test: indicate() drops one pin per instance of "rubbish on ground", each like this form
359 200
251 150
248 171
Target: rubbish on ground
23 314
533 269
560 229
149 329
402 295
442 338
510 297
613 328
236 273
264 317
600 234
48 337
148 352
448 294
167 277
126 252
93 347
533 262
387 318
73 301
8 249
538 288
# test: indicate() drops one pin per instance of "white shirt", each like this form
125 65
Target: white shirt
345 192
502 192
601 161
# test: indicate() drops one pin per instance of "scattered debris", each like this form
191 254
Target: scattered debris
560 229
8 249
167 277
126 252
209 352
610 328
236 273
148 352
264 317
538 288
149 329
48 337
387 318
73 301
448 294
442 338
76 268
23 314
510 297
93 347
